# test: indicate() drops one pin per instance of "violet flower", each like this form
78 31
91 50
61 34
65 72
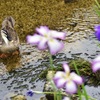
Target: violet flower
67 80
97 32
47 38
30 93
96 64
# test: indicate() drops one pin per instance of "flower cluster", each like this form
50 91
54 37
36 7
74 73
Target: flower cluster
97 32
96 64
96 61
46 38
67 80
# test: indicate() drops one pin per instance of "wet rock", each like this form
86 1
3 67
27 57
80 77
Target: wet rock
2 69
93 91
48 84
48 87
43 98
18 97
14 96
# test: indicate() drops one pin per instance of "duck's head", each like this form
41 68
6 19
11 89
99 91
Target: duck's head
9 40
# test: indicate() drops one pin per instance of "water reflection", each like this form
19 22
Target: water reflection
12 62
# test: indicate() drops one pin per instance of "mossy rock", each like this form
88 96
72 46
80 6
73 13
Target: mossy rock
18 97
83 66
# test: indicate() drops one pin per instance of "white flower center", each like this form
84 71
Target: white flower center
48 37
67 77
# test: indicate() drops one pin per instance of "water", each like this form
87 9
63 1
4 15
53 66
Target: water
80 43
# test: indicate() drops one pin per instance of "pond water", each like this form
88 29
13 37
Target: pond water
80 43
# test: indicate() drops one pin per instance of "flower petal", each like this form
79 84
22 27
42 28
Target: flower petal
71 87
55 46
76 78
66 67
97 28
59 74
96 64
35 39
56 34
30 93
42 30
60 82
42 44
66 98
97 33
96 67
97 59
59 79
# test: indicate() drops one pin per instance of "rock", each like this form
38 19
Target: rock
18 97
2 69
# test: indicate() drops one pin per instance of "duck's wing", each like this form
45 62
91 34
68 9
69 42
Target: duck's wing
0 39
8 27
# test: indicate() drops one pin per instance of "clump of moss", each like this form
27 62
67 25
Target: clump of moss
43 74
30 14
83 66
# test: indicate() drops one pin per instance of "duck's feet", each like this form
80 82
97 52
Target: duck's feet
9 54
3 55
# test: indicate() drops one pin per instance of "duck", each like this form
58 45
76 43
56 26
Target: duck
9 40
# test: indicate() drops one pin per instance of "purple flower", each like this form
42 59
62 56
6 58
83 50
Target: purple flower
47 38
67 80
30 93
96 64
97 32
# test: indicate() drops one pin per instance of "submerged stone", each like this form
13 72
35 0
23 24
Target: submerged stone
18 97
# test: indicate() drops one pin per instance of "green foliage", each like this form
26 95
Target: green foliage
97 7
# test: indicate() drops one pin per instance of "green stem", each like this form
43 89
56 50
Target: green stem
79 93
40 92
59 96
51 61
85 93
97 3
55 97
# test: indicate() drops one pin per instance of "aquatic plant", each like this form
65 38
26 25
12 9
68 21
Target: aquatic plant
44 38
47 39
97 31
67 80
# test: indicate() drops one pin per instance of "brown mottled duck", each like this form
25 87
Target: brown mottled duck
9 41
